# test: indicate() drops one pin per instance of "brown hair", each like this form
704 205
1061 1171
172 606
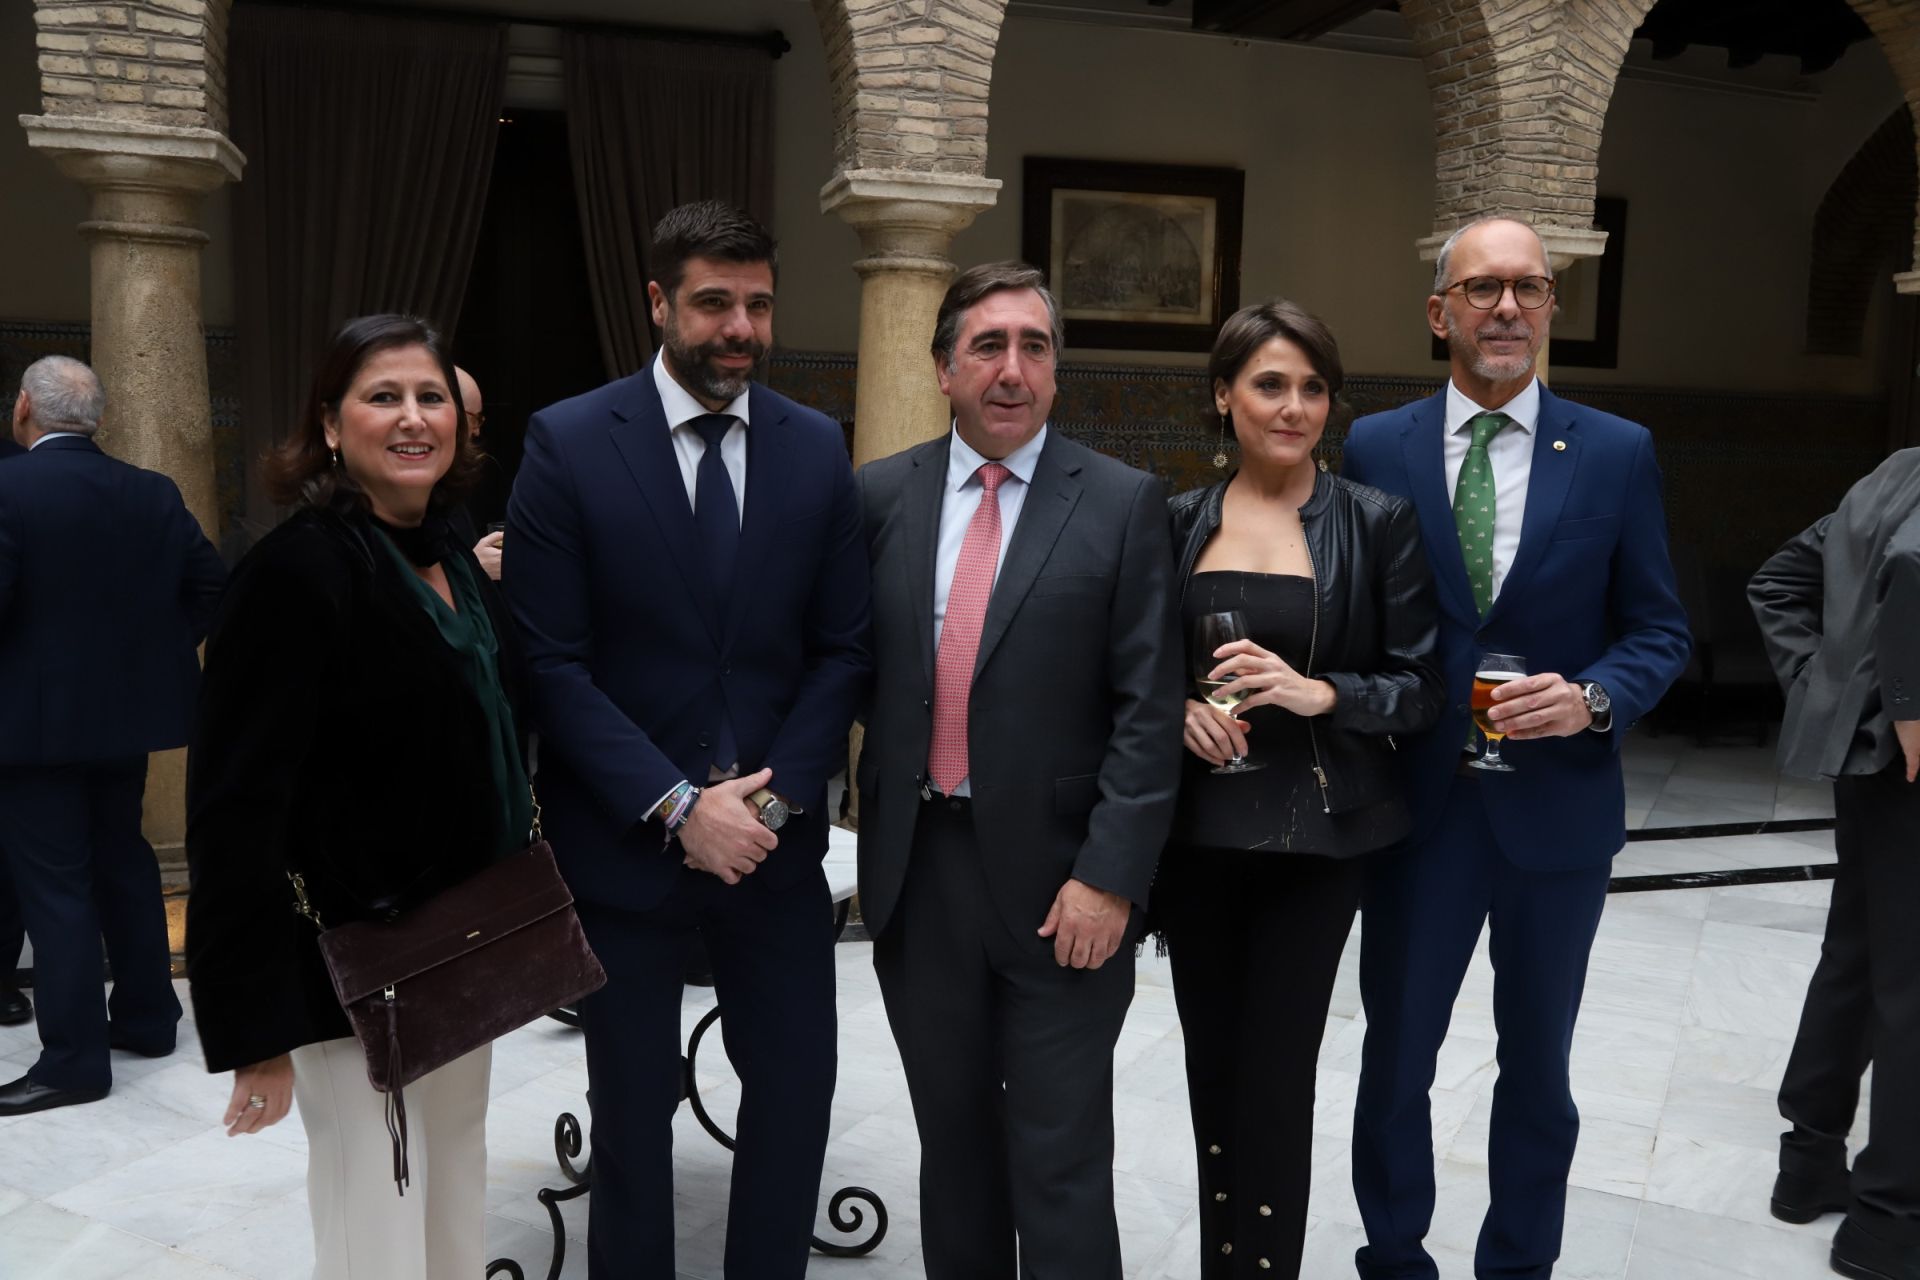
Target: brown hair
706 229
975 283
1252 327
301 472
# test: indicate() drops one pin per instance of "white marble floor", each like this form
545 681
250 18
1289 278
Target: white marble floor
1693 999
1673 781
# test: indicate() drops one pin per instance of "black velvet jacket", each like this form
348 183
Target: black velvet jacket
1374 634
336 737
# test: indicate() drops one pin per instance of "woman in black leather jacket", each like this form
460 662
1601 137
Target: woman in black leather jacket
1260 882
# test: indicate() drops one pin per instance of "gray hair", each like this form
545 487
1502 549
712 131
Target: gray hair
1445 259
64 395
976 283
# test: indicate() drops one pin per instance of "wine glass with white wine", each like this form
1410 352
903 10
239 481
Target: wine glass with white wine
1495 669
1211 631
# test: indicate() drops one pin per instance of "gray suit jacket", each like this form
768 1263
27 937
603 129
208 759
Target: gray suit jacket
1074 720
1840 608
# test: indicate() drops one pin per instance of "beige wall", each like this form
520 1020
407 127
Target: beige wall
1338 152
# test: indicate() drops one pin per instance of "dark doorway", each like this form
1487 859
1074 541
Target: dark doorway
526 330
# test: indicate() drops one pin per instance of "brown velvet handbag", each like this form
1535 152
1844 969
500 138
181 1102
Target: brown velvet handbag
482 958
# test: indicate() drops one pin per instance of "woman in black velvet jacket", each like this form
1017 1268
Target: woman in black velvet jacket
357 729
1257 889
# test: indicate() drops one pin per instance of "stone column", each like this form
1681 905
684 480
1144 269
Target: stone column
147 182
1565 246
907 221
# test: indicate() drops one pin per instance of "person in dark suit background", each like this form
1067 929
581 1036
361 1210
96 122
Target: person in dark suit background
1016 785
1543 524
107 586
15 1008
688 573
1839 606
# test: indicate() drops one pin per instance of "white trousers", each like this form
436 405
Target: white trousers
362 1228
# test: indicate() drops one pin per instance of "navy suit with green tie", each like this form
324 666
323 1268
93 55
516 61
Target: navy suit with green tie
1589 595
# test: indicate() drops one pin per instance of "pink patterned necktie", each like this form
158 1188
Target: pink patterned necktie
967 598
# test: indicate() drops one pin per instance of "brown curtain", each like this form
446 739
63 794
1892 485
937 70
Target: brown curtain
652 123
369 142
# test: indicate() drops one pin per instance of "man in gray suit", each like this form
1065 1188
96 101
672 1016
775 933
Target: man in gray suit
1840 608
1016 785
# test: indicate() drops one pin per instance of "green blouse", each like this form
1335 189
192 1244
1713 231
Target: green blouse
468 631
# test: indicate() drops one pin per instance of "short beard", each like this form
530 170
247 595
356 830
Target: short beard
1495 369
691 362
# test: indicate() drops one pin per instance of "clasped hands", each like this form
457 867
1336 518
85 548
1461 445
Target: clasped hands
724 836
1267 681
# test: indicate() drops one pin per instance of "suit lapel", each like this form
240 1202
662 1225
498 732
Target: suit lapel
1049 502
919 515
769 448
640 434
1425 459
1547 485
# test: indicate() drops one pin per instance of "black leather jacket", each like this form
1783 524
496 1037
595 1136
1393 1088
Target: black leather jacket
1376 624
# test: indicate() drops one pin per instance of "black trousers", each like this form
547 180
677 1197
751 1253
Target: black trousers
772 955
1009 1061
1255 941
13 929
83 872
1864 1005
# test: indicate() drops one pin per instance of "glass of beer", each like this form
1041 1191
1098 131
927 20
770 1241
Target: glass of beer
1495 669
1211 631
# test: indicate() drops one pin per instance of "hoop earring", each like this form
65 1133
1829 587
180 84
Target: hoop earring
1220 454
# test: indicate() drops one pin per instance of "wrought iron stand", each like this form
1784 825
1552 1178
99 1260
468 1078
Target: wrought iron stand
847 1210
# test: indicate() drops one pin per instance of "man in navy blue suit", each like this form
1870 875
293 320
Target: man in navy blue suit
107 585
15 1008
1543 523
690 576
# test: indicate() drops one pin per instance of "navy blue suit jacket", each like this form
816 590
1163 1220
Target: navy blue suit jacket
1590 595
632 660
107 586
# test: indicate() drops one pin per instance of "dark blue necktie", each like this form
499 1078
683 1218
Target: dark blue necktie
716 517
716 508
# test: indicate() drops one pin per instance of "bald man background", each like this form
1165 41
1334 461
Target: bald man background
1543 525
487 549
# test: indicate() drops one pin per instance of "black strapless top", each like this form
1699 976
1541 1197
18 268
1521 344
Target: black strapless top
1277 808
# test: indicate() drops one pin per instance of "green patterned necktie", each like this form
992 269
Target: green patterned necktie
1474 506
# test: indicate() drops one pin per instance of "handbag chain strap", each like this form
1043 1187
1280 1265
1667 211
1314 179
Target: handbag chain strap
301 906
535 796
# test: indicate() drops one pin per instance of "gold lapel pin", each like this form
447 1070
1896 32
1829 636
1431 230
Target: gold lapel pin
1559 446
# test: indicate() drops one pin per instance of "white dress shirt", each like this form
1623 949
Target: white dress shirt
681 408
52 435
958 503
1511 454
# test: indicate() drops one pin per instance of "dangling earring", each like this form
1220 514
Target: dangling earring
336 456
1220 456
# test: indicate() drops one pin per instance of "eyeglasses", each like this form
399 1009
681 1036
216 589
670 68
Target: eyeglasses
1485 292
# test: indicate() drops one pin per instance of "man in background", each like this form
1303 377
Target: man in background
1840 609
107 586
15 1008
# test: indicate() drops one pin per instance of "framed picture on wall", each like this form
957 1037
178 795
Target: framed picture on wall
1141 256
1586 327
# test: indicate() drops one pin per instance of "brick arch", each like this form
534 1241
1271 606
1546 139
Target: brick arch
1863 223
1519 90
909 81
153 63
1896 25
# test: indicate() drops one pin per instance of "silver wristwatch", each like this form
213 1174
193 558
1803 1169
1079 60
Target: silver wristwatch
1599 705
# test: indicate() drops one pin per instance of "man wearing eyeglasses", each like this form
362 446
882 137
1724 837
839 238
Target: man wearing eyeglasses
1543 524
